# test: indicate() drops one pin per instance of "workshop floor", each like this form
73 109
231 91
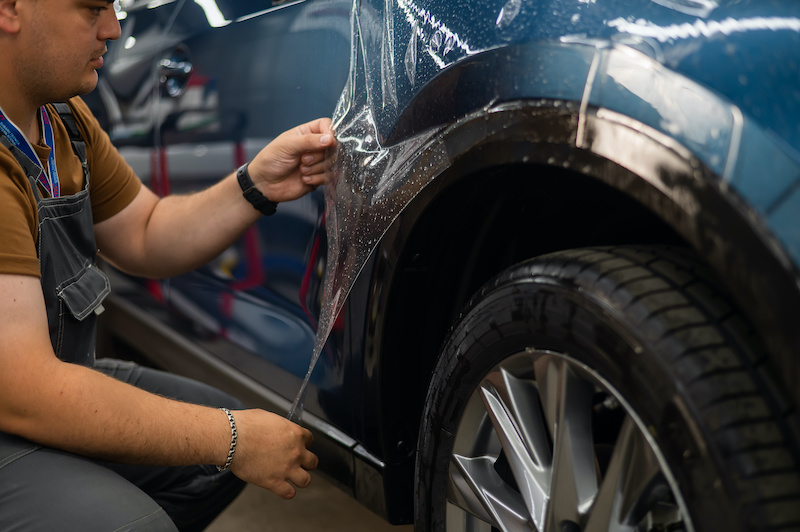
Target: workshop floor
321 506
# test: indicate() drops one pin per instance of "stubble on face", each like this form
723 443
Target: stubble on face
53 66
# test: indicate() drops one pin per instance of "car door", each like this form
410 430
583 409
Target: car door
193 90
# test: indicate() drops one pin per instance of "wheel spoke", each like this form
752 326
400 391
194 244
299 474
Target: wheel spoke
645 483
631 485
521 400
567 402
606 513
513 407
461 492
484 494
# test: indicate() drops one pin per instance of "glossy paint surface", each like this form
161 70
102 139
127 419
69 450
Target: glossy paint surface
698 73
720 78
413 86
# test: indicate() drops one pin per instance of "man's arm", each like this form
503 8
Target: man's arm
155 237
77 409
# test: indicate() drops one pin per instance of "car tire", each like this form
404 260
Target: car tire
604 389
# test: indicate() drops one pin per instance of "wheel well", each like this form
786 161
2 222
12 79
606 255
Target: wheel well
473 229
519 183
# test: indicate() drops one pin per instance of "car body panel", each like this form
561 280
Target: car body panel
708 82
684 111
618 77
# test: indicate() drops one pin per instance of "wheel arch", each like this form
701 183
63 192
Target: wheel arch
528 167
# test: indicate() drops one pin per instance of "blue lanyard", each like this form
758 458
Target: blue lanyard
49 180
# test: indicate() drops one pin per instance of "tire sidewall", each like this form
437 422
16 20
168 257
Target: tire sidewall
550 314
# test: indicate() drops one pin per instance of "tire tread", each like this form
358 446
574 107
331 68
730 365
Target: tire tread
676 307
656 288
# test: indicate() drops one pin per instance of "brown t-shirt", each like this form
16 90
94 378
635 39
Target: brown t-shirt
112 186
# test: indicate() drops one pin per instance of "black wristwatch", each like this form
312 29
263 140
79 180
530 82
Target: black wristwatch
252 194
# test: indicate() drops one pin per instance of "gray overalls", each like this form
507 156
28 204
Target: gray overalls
44 489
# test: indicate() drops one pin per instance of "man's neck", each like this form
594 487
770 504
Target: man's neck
28 125
23 114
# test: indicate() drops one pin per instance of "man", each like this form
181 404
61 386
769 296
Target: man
66 427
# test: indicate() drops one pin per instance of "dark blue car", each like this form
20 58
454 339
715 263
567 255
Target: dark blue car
554 284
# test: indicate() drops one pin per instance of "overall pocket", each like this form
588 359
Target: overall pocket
84 293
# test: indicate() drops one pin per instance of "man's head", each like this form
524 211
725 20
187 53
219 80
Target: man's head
53 47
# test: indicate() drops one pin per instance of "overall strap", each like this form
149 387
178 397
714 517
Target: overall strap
31 169
78 145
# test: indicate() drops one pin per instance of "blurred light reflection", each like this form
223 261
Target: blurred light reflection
702 28
698 8
215 17
420 18
158 3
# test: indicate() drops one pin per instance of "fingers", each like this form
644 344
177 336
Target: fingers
307 435
315 169
318 169
311 143
296 162
300 478
284 490
313 163
320 125
309 461
314 136
310 159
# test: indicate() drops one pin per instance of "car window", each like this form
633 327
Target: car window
236 9
219 12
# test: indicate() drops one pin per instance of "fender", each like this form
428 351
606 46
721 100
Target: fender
733 203
630 160
557 110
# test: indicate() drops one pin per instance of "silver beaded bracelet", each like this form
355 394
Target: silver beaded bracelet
234 435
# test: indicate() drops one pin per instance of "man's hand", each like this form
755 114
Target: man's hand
296 162
272 453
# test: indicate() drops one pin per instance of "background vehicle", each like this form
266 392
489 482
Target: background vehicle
557 270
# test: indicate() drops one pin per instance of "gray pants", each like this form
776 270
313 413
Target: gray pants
44 489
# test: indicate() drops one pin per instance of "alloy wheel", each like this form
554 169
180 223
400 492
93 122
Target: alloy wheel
546 444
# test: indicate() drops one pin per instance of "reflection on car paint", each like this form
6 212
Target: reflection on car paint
622 70
508 13
700 28
370 187
698 8
692 118
375 181
215 17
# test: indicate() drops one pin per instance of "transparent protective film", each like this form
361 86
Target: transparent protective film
370 186
634 62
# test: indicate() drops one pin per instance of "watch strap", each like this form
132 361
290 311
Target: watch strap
252 194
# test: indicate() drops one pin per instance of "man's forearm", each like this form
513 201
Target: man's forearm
175 234
86 412
77 409
186 232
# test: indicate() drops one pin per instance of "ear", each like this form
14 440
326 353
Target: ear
9 18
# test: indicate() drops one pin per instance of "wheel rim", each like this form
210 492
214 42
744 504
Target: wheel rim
545 443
